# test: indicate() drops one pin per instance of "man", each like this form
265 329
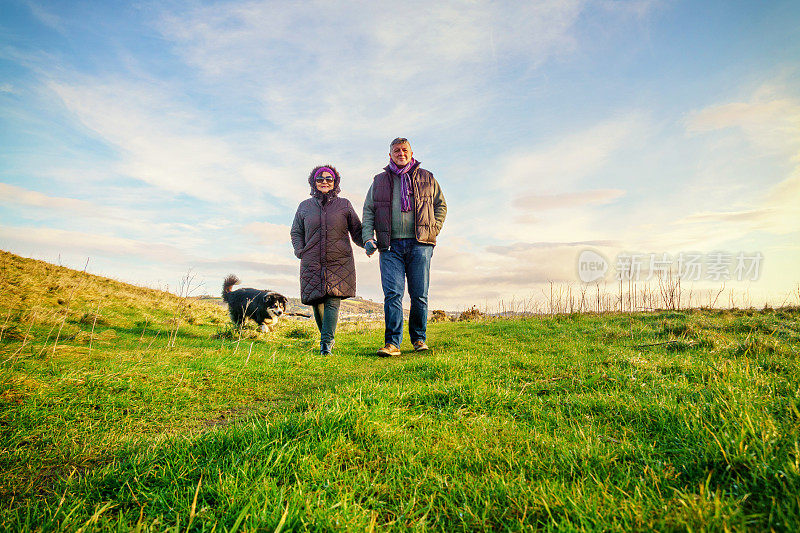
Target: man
405 210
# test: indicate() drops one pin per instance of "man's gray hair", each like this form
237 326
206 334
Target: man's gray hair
399 140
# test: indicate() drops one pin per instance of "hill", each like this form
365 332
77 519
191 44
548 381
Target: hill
126 408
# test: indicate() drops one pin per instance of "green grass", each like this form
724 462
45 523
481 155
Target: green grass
679 420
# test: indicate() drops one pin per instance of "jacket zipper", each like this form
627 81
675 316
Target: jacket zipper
323 238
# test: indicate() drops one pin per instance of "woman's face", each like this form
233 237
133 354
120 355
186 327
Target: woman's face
325 182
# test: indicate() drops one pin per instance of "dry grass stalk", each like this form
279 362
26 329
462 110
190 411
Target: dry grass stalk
141 337
69 302
5 324
91 335
185 290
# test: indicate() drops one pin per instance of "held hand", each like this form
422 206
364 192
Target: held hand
370 246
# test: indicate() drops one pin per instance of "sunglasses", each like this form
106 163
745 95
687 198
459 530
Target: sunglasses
323 178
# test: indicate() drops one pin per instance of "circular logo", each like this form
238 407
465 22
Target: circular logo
591 266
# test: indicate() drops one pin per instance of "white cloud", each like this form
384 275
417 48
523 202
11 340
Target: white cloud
324 71
775 211
167 144
569 159
124 220
130 258
314 92
733 180
541 194
52 240
46 17
19 195
637 8
462 277
748 216
267 233
771 123
567 200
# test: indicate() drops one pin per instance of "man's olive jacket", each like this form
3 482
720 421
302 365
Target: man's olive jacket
383 218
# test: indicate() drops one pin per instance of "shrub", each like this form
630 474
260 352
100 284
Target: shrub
471 314
439 316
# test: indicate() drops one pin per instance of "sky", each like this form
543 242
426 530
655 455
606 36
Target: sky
147 141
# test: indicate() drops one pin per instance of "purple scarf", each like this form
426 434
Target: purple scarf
405 183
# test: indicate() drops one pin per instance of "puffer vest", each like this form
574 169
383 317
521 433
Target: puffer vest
424 221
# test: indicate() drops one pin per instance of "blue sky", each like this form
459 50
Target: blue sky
158 137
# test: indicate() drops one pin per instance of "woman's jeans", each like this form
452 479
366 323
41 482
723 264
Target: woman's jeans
405 259
326 313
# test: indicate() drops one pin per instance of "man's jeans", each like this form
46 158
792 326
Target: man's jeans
405 259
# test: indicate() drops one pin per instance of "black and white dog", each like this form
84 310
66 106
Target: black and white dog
264 307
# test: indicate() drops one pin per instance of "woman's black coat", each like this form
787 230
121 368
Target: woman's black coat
321 234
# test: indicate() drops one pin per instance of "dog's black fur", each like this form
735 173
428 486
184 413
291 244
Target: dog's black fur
264 307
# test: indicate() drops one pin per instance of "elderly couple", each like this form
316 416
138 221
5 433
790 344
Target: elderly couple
405 210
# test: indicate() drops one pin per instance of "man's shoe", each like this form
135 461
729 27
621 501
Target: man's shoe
420 346
389 350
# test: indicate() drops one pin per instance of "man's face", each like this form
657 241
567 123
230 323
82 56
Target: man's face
401 154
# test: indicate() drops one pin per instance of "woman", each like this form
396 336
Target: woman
320 239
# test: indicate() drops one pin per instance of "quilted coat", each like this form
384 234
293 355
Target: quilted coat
321 232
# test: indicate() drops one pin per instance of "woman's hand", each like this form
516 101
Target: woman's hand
370 246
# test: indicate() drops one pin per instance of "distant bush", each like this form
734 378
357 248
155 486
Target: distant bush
471 314
439 316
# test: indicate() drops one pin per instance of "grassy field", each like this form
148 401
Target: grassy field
126 408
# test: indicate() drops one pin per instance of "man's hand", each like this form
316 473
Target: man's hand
370 246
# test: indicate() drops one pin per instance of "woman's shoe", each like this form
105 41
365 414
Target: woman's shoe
325 348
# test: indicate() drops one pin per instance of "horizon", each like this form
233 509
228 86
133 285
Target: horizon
153 139
663 294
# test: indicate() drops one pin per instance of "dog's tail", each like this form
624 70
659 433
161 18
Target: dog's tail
229 282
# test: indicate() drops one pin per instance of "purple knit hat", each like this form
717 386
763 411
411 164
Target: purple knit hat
320 170
316 171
